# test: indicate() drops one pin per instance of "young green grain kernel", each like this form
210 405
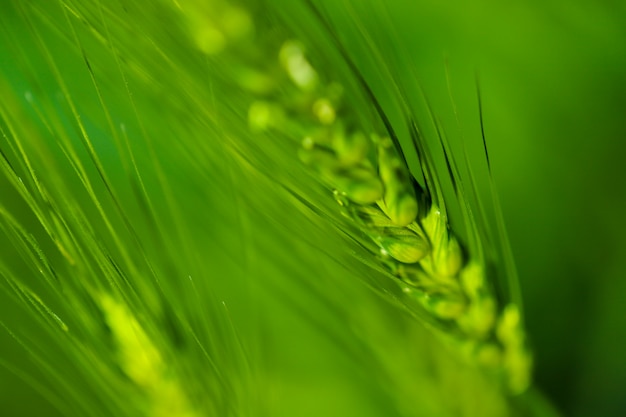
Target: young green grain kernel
351 148
444 305
297 66
517 361
216 25
446 258
360 184
263 115
481 314
399 199
403 245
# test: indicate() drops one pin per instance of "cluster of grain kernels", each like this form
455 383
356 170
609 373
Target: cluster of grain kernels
372 182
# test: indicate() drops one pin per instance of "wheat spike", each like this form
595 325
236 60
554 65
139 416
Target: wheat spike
370 179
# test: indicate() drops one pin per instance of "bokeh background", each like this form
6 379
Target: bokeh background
553 85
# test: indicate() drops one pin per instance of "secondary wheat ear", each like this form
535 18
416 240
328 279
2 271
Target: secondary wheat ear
143 362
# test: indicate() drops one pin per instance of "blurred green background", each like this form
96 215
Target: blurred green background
553 85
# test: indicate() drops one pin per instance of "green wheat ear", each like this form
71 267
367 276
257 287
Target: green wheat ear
365 168
148 342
